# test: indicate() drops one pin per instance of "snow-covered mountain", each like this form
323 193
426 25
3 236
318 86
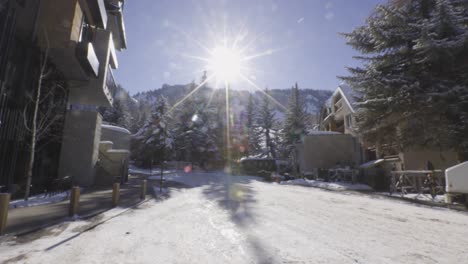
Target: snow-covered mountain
239 98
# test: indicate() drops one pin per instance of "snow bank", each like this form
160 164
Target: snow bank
153 174
157 175
135 170
328 185
40 200
316 132
418 197
116 128
158 192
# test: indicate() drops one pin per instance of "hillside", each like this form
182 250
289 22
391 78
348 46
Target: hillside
314 98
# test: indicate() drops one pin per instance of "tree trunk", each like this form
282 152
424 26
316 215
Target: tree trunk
33 140
269 144
34 133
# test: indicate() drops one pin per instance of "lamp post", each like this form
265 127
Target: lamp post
162 158
228 131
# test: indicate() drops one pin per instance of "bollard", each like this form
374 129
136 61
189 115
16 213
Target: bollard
115 194
4 204
143 190
74 201
448 199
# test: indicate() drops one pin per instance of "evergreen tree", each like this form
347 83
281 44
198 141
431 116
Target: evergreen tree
252 130
414 82
124 112
193 130
153 141
266 121
295 125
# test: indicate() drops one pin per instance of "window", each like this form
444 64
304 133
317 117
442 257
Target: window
349 121
86 33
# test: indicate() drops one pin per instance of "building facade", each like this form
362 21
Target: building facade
339 115
78 40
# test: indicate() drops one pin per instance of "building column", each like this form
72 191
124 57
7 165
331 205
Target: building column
80 145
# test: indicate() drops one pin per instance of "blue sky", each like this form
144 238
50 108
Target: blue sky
299 40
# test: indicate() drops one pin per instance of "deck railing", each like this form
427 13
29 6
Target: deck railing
110 82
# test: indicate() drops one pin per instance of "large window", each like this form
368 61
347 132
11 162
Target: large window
349 121
86 34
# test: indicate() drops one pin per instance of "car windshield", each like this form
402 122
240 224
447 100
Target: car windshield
215 131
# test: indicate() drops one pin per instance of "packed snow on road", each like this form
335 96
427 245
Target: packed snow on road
216 218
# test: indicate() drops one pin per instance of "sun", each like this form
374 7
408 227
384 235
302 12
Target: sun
228 63
225 63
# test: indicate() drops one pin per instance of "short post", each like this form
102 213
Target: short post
74 201
419 185
4 205
448 198
143 190
115 194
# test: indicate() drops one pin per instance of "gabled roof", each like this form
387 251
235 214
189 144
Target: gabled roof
348 94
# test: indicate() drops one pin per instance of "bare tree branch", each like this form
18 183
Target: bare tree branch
25 121
46 96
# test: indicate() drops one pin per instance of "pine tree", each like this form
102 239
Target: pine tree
124 112
295 125
414 82
153 141
253 133
266 121
195 140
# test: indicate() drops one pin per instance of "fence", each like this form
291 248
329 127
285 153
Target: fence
135 191
417 181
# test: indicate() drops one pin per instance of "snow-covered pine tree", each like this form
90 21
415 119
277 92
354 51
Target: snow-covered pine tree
252 129
267 122
414 81
153 141
124 112
194 140
295 124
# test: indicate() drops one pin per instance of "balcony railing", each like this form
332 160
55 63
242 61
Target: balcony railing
110 83
98 11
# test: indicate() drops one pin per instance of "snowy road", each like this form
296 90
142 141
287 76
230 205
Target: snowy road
247 221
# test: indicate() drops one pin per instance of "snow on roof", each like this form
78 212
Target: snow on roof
118 151
255 158
116 128
312 133
371 163
348 94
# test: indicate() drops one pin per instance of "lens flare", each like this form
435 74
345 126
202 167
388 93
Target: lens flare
225 63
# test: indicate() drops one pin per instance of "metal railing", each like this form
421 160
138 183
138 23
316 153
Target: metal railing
110 82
